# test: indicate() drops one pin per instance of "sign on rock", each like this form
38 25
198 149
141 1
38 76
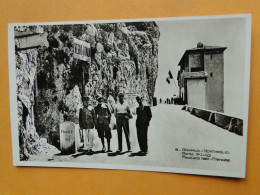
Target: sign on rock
67 138
81 50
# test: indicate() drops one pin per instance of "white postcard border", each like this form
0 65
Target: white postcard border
13 102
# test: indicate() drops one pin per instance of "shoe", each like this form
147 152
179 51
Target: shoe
118 151
103 149
109 150
82 146
129 150
90 152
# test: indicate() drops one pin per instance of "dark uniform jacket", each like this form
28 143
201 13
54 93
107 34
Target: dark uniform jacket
103 114
143 116
87 118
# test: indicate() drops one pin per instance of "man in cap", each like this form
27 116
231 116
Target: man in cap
122 114
144 116
103 119
87 121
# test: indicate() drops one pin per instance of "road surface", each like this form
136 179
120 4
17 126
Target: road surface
170 129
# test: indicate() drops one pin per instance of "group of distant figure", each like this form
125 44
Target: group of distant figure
168 101
99 117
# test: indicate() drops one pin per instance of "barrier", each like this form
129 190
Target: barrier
232 124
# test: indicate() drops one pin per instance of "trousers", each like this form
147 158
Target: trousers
88 135
123 123
142 137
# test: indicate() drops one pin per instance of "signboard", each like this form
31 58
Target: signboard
81 50
28 41
131 99
67 138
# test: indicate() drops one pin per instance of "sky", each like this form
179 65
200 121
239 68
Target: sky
178 36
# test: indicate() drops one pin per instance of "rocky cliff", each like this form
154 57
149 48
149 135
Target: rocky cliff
51 82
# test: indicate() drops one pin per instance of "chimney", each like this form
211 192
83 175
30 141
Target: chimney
200 45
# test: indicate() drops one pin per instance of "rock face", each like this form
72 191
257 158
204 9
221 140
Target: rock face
51 82
26 65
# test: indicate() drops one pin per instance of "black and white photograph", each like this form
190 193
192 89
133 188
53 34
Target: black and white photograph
160 94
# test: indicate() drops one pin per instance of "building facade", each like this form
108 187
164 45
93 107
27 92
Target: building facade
201 77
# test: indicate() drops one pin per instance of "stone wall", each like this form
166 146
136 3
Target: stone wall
124 57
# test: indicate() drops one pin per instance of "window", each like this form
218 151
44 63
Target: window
88 52
211 74
84 51
210 56
195 69
80 49
75 48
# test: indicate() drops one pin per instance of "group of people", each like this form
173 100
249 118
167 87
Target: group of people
99 118
168 101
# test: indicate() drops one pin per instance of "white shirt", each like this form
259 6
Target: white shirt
121 108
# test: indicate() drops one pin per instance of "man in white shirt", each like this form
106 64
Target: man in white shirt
122 114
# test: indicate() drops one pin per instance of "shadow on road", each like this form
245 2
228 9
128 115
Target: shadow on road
136 154
98 152
61 154
83 152
113 154
78 154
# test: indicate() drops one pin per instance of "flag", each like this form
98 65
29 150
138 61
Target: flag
170 74
168 80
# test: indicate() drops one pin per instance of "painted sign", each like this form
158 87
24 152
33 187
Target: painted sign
81 50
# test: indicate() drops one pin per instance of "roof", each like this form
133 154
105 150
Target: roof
202 47
191 75
206 47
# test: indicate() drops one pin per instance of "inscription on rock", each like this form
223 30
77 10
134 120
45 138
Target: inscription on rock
67 138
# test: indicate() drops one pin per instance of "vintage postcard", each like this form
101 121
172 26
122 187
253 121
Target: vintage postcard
160 94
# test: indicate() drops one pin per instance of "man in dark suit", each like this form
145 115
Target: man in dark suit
144 116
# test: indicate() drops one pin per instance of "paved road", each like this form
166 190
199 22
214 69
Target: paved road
171 128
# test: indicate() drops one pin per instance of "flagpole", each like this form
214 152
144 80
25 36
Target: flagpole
171 77
175 85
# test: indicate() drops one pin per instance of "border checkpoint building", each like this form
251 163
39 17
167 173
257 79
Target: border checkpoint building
201 77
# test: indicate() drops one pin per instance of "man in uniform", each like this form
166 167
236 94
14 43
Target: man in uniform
144 116
103 119
87 121
122 114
